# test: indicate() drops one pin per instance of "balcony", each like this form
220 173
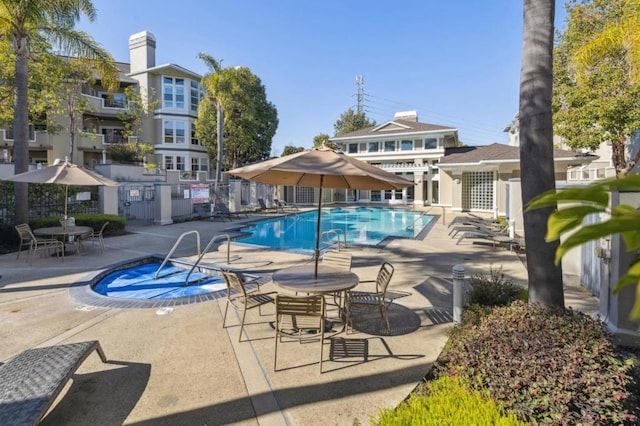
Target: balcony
403 167
101 141
37 138
106 107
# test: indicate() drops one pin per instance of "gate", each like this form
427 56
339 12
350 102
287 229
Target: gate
136 202
591 274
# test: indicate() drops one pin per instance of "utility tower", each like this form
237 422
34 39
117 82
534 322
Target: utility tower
359 94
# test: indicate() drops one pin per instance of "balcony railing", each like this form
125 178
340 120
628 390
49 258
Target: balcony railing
105 106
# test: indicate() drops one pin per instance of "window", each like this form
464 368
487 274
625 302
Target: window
199 163
173 92
180 162
389 146
373 147
353 148
195 165
168 132
174 131
430 143
196 95
406 145
194 139
168 162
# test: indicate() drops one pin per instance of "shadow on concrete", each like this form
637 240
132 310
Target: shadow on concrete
367 319
107 397
238 411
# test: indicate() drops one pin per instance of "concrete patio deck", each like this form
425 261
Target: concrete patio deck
182 367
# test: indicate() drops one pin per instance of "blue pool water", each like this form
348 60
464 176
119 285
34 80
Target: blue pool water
137 282
363 225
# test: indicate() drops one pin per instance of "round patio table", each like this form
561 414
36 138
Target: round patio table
301 279
64 232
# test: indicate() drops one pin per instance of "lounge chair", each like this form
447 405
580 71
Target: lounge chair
378 298
243 299
284 206
300 318
35 244
263 205
31 381
201 212
224 211
483 234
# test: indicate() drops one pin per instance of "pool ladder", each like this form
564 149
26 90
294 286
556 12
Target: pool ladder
200 253
337 233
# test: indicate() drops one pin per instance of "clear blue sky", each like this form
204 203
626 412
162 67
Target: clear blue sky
457 62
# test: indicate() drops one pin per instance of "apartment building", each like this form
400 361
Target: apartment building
446 174
169 128
406 147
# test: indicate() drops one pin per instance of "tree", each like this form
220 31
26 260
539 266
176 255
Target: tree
250 120
536 149
289 149
350 121
214 66
597 77
323 139
32 25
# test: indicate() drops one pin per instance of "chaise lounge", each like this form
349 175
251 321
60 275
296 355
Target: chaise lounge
31 381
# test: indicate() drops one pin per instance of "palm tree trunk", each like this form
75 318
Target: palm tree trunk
220 129
21 133
536 149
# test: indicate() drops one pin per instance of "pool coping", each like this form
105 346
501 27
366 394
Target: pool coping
82 291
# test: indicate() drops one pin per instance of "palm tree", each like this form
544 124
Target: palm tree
25 23
209 81
536 149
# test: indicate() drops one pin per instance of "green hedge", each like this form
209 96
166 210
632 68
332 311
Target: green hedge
9 239
449 401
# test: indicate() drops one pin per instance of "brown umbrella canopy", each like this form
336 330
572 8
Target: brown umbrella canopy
64 173
321 168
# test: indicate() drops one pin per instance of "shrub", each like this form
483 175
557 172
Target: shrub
547 366
494 289
449 401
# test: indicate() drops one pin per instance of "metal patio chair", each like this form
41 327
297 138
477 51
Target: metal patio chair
299 318
378 298
242 299
35 244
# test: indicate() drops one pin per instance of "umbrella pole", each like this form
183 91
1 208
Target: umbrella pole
66 197
317 251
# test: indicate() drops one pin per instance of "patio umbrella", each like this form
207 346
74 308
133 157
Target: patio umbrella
321 168
63 173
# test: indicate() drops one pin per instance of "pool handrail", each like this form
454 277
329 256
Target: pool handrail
175 246
337 233
206 249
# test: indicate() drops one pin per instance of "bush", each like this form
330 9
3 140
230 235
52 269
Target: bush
9 239
547 366
449 401
494 290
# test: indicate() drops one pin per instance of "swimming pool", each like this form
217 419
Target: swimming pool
362 225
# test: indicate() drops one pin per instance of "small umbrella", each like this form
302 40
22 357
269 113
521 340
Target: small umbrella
63 173
321 168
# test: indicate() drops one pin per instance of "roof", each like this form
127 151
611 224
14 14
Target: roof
158 69
499 153
394 127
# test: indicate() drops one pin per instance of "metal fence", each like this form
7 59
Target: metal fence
48 200
136 202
